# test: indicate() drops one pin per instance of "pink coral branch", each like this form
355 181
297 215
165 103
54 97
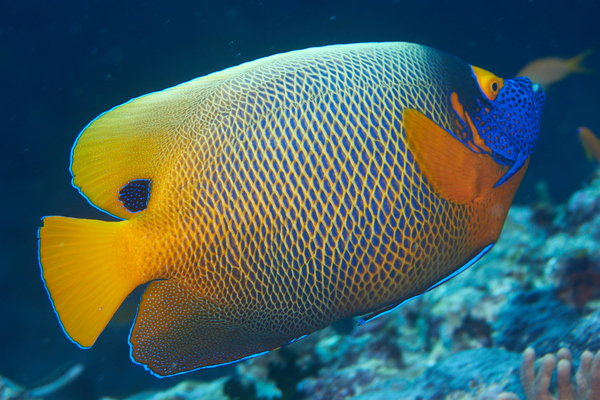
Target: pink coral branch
536 385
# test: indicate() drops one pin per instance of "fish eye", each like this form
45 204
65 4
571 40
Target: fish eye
489 83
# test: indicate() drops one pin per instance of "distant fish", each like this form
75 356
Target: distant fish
547 71
58 383
269 200
590 143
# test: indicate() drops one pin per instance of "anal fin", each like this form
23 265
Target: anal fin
177 331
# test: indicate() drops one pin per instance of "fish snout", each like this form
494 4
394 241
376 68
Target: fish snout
533 91
515 119
539 94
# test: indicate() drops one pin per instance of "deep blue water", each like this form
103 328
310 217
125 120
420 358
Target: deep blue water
65 62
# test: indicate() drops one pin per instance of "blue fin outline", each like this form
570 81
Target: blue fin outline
195 369
48 292
91 122
472 261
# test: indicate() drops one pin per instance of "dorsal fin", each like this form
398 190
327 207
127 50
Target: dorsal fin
119 154
455 172
123 151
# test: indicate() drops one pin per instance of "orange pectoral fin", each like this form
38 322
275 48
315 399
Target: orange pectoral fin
455 172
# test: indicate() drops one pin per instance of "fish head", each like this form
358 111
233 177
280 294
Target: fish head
500 117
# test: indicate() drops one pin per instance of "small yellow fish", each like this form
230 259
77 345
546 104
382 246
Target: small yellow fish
269 200
547 71
590 143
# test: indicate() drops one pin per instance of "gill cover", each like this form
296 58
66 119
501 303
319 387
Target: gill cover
502 121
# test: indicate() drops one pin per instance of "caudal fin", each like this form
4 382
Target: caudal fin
85 270
575 63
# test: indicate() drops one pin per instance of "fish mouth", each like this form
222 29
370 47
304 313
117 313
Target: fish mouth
537 93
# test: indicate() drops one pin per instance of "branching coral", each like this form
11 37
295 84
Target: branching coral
536 385
11 391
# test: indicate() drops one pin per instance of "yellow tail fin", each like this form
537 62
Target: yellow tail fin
575 63
85 269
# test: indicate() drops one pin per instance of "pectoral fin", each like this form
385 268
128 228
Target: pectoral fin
455 172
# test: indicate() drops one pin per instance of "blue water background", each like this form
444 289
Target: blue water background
64 62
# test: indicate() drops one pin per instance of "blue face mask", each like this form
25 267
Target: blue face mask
506 126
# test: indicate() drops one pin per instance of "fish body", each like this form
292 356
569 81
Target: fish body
268 200
590 143
549 70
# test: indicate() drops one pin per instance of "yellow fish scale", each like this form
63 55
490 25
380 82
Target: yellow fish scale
295 203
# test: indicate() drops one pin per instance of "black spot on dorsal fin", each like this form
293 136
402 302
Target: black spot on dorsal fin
135 195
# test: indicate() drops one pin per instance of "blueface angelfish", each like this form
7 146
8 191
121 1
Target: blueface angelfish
268 200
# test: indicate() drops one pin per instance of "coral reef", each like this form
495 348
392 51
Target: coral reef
536 385
529 327
12 391
187 390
